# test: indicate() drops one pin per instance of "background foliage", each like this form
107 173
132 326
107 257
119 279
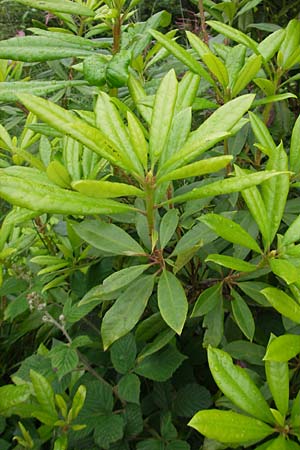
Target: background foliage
149 242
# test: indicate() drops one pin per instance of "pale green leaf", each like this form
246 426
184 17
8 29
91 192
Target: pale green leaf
283 303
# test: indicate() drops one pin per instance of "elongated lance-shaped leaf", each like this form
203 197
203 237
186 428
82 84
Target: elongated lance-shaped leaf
182 54
198 45
138 94
242 315
237 385
230 230
290 42
9 90
231 263
278 381
67 123
293 233
162 115
295 148
270 45
106 189
233 34
213 130
63 6
107 237
39 49
256 206
71 154
127 310
109 122
137 139
283 303
217 68
275 190
172 301
283 348
227 186
262 133
198 168
247 73
229 427
69 39
42 198
187 90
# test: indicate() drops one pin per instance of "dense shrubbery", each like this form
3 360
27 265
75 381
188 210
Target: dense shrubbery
149 243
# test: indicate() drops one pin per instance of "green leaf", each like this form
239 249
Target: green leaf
270 45
10 90
129 388
106 189
236 384
275 190
109 429
161 365
227 186
123 353
64 359
283 303
161 340
234 34
231 262
39 49
168 226
182 54
44 393
285 270
178 445
11 396
283 348
197 169
278 381
172 301
162 115
214 324
61 443
290 42
229 427
134 420
190 398
217 68
246 351
111 126
58 174
207 300
137 139
242 315
151 444
295 148
117 69
123 277
213 130
230 231
61 6
127 310
78 401
256 206
67 123
107 237
262 133
273 98
53 199
293 233
247 73
295 413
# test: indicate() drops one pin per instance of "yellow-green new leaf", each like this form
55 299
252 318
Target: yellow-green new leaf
213 130
283 348
237 385
278 381
182 54
285 270
231 263
162 115
62 6
295 148
67 123
58 174
229 427
137 139
106 189
262 133
197 169
283 303
247 74
217 68
229 230
172 301
234 34
227 186
46 198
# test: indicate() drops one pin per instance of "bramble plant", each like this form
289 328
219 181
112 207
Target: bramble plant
150 215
